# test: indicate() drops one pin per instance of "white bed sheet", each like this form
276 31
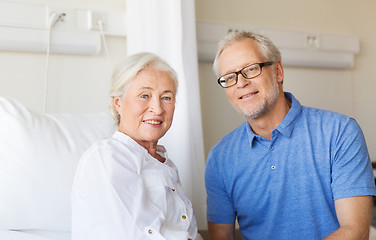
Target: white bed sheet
34 235
50 235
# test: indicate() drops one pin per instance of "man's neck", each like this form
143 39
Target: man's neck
264 125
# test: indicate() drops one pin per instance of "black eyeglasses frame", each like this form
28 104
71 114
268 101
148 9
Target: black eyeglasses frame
261 65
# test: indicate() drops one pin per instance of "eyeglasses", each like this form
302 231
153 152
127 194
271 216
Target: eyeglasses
249 72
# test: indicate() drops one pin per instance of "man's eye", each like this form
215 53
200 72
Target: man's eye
229 78
250 69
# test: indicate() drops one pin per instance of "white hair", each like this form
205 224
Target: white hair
268 49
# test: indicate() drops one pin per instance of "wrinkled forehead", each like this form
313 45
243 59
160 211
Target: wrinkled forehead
153 79
238 55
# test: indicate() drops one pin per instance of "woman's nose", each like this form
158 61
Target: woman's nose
156 106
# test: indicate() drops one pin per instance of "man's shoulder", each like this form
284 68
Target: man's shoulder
328 121
323 114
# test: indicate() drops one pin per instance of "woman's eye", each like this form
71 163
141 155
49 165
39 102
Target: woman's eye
144 96
166 98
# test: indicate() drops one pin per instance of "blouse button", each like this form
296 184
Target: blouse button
173 189
150 231
184 217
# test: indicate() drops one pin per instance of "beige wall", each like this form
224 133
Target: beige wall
77 83
346 91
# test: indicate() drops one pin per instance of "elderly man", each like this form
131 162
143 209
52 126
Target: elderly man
289 171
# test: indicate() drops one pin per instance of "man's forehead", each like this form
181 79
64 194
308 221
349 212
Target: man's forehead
238 55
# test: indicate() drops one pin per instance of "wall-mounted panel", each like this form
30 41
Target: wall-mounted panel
299 48
31 27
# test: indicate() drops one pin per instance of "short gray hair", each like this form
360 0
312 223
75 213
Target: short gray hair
127 69
267 47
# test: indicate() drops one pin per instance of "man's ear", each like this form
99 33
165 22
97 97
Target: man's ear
279 71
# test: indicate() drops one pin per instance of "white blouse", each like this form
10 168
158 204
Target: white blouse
121 192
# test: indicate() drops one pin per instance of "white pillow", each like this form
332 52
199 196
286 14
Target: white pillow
38 157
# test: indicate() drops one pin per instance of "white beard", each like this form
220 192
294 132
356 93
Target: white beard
265 105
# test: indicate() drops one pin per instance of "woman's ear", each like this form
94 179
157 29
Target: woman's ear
116 102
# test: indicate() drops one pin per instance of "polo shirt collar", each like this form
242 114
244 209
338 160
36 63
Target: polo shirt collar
287 125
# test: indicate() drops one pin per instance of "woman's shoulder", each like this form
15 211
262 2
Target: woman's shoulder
112 153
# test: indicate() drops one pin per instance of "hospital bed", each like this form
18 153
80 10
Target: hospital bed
38 156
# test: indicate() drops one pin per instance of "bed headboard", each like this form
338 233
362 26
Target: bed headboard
38 156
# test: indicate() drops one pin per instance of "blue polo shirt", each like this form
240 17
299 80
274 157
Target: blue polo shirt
284 188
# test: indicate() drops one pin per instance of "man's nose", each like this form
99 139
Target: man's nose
242 81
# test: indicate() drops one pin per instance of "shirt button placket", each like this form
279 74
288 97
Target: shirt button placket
273 166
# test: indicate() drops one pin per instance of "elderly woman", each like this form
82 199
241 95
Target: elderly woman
126 187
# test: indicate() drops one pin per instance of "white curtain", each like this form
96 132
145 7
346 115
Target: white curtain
168 29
